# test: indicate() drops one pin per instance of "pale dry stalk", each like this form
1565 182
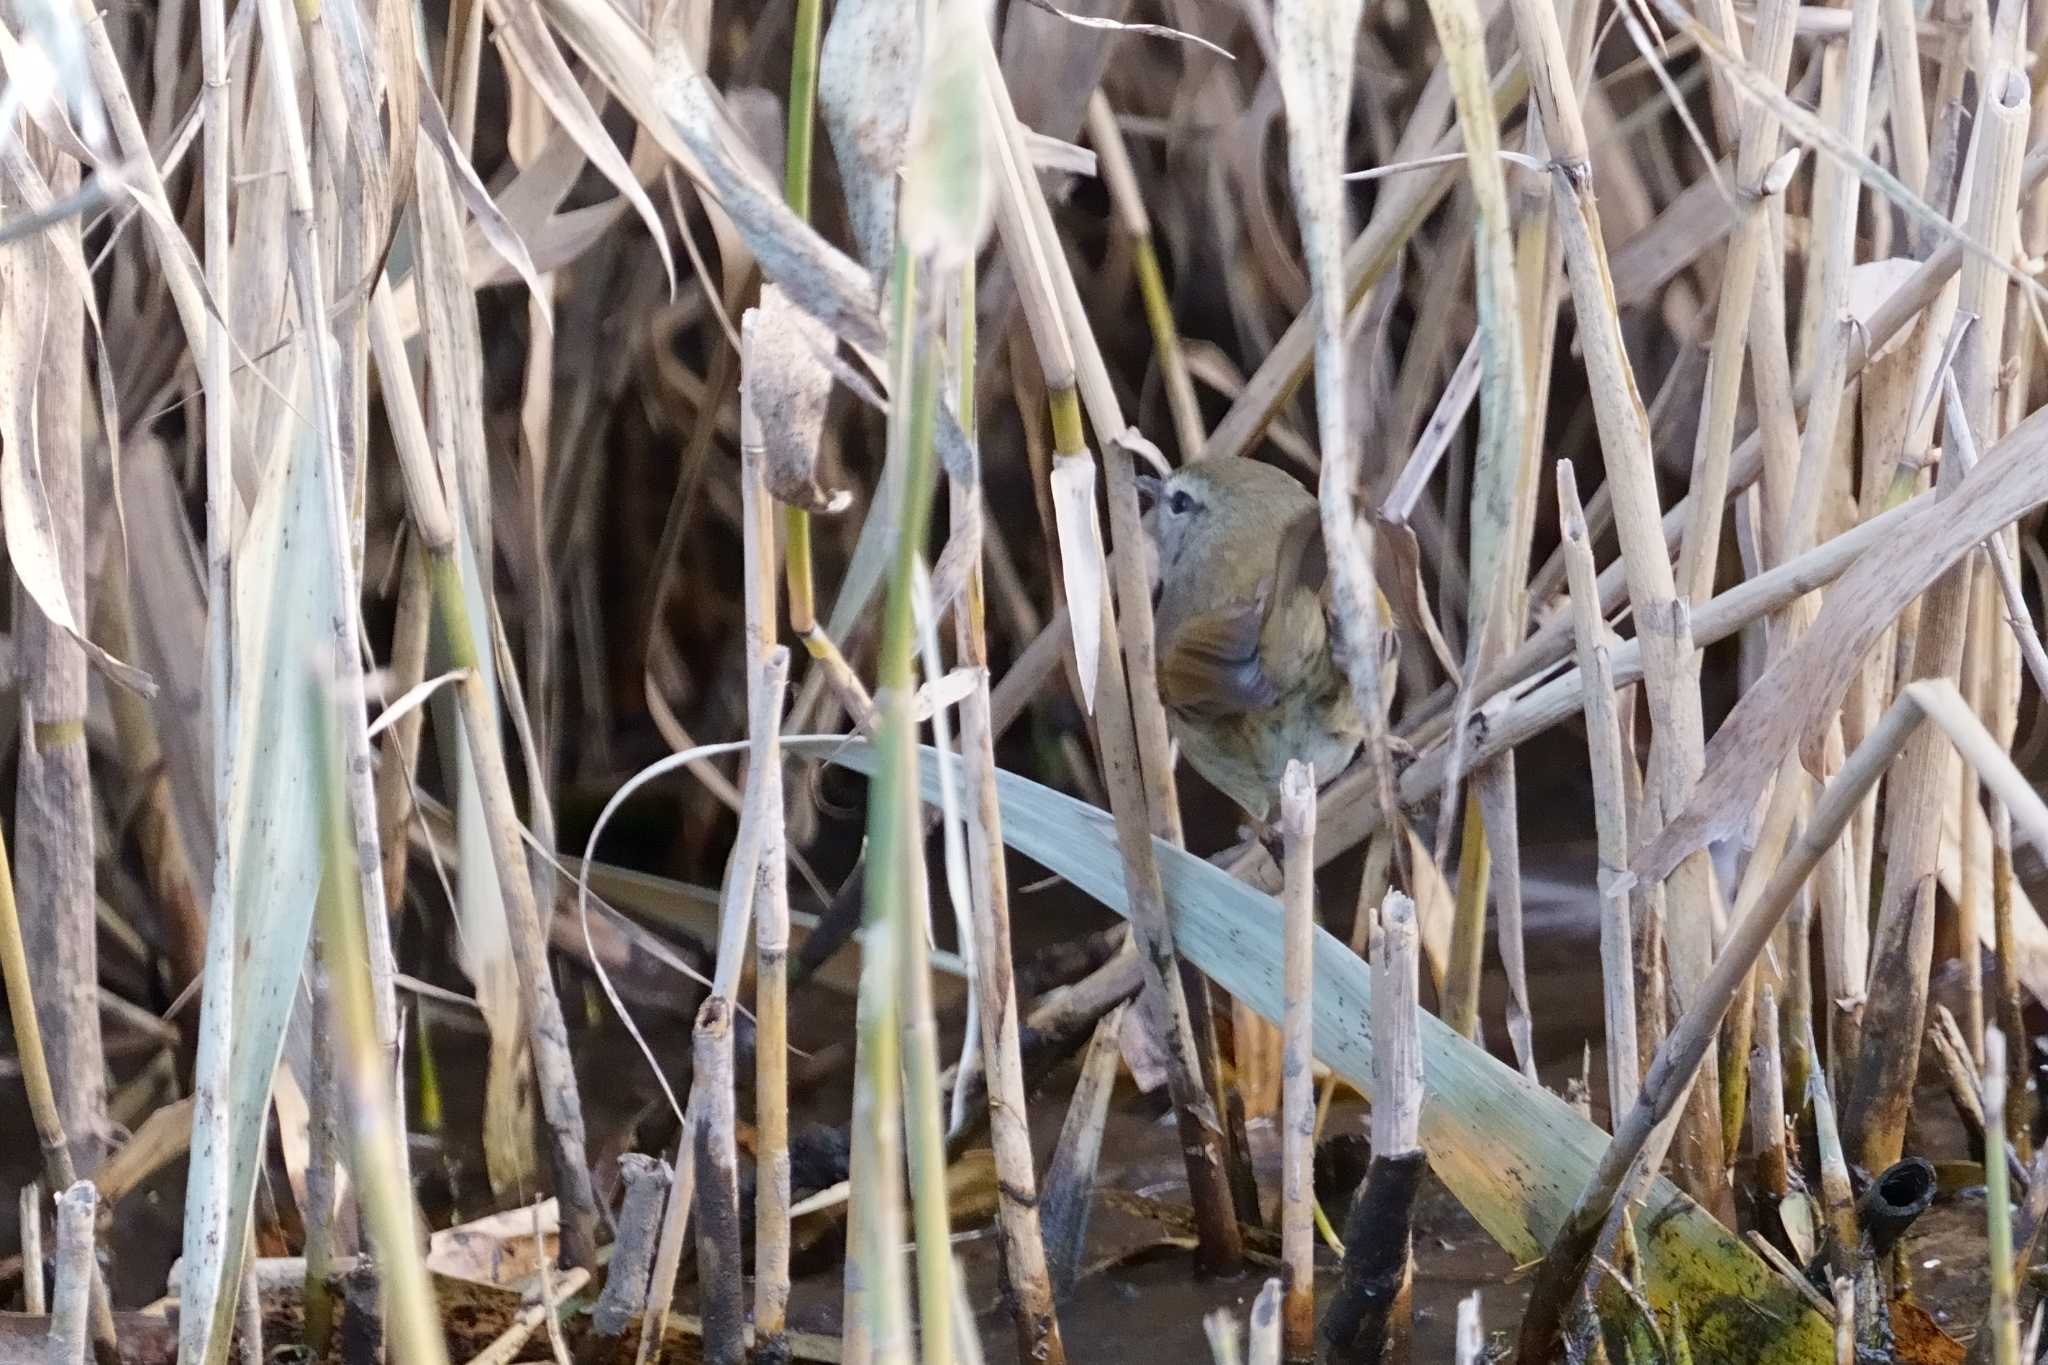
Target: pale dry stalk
720 1272
1297 1081
1017 1209
1610 810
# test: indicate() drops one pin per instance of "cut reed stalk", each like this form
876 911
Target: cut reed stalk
29 1226
647 1180
1369 1318
75 1274
2002 1315
1070 1179
1767 1133
720 1283
59 1172
1839 1236
1265 1330
1297 1081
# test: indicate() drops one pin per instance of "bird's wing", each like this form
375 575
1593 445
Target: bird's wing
1211 666
1300 560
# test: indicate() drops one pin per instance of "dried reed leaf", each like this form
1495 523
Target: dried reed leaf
533 48
24 509
1082 568
1791 702
1118 26
499 232
871 58
788 388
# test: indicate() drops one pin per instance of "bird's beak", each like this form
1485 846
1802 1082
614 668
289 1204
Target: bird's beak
1148 487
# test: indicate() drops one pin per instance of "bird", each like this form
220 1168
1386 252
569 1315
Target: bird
1248 656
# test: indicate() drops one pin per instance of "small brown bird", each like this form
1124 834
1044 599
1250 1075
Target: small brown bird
1247 668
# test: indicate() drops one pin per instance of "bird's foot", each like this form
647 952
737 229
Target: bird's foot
1268 834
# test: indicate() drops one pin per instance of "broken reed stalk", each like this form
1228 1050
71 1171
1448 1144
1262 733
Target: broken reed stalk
1131 725
1959 1072
1017 1207
1670 661
1070 1177
1297 1079
412 1319
1471 1342
2002 1315
1767 1104
647 1182
1677 1063
554 1073
75 1274
1874 1114
1368 1320
737 904
1837 1198
29 1223
1610 803
721 1281
1264 1330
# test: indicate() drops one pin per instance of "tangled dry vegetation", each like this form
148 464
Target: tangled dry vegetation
424 427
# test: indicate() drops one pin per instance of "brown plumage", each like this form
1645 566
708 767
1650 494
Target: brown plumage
1246 663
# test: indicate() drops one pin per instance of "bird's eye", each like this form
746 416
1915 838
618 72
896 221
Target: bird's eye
1178 502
